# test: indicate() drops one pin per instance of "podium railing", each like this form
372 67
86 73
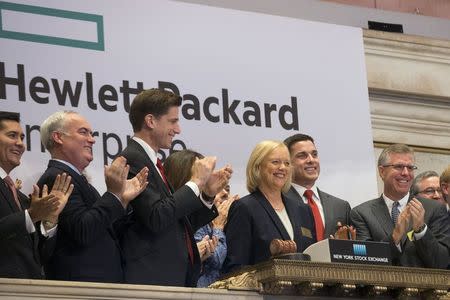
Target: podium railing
305 278
291 279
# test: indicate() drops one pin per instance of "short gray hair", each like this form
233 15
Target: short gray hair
424 175
383 159
55 122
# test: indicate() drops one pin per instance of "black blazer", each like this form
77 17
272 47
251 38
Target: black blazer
86 248
253 223
373 222
334 210
20 255
154 241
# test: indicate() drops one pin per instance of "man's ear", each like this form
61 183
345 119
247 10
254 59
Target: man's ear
56 136
149 121
381 170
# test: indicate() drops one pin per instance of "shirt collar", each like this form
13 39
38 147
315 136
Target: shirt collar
149 150
68 164
301 190
402 202
3 173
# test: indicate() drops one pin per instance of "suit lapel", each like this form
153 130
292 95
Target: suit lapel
294 194
327 207
381 212
153 172
88 192
273 215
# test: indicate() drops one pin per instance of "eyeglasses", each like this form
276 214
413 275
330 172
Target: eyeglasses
400 167
431 191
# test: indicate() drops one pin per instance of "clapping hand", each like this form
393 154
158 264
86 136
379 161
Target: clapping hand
207 246
135 185
218 180
344 232
62 189
116 180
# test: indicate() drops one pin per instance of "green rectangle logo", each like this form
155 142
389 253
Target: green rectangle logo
55 14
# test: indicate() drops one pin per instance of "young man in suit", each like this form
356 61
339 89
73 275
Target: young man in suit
159 245
328 210
86 246
417 229
21 246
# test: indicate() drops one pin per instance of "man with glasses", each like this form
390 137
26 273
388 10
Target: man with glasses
417 229
426 185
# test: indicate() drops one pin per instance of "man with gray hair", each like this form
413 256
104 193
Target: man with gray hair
86 246
417 229
426 185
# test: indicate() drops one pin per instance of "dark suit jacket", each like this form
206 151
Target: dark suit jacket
19 250
373 222
253 223
86 248
334 209
154 238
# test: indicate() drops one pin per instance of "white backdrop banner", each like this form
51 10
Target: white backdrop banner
244 77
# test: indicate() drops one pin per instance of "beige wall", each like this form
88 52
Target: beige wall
432 8
409 91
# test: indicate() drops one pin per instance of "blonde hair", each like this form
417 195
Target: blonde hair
257 157
445 176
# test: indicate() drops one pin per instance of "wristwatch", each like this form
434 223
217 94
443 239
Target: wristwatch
421 228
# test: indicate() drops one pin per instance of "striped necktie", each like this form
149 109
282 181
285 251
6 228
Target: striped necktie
12 187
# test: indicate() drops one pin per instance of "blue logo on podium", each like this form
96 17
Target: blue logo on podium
359 249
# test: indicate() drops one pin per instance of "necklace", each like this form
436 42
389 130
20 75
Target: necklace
281 206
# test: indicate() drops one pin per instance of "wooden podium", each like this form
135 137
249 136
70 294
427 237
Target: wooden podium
279 279
305 278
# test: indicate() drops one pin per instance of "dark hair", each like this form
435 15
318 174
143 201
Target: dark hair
153 101
178 167
299 137
8 116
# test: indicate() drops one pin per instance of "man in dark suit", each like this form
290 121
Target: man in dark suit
159 245
86 246
328 210
418 230
21 246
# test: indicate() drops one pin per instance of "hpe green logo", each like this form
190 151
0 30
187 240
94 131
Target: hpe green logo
51 26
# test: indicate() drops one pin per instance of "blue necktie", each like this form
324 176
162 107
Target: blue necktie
395 212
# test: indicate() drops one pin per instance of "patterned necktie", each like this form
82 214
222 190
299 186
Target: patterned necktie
160 167
12 187
395 212
316 213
